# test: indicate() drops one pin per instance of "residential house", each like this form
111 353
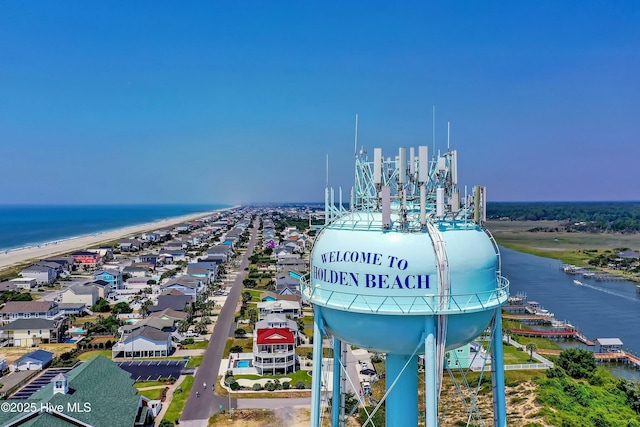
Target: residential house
85 294
182 228
169 313
272 296
104 288
286 308
63 263
42 273
175 255
73 308
24 282
143 342
274 351
286 285
32 332
152 259
173 299
130 245
112 277
151 237
135 271
204 271
174 245
459 357
96 393
188 285
34 361
222 252
86 258
13 310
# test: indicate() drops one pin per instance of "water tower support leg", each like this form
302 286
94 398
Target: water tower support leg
335 393
402 401
497 373
430 373
316 379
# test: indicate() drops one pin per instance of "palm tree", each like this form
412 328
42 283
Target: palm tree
531 347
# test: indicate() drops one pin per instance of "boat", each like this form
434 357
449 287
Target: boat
577 282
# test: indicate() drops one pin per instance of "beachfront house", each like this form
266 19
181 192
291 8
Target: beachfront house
86 258
99 393
42 273
151 237
129 245
112 277
274 346
31 332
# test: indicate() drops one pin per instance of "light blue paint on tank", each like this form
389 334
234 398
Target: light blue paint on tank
374 286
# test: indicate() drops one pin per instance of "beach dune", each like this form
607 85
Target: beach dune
46 250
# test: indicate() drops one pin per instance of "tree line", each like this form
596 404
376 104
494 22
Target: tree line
617 217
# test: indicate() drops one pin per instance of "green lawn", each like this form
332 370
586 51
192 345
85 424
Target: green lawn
144 384
541 343
88 355
512 356
295 377
198 345
194 361
179 399
153 394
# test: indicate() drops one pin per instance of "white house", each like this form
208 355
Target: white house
142 343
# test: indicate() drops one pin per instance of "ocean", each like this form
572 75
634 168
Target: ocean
29 225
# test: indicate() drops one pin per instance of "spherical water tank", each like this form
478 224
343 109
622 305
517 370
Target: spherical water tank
374 286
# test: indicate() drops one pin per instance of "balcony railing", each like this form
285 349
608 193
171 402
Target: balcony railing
410 304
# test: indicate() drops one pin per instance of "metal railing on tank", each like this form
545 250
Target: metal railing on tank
410 304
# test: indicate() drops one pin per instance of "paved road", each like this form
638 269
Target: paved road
203 407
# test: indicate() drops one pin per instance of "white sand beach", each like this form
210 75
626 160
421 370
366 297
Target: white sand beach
46 250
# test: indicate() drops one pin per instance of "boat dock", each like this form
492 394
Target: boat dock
557 334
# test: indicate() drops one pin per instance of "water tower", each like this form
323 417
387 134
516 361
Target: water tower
407 270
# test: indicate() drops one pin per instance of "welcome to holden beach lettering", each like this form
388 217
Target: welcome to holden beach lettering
368 280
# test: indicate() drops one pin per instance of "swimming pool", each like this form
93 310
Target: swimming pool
243 363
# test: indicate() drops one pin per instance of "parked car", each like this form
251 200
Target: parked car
368 371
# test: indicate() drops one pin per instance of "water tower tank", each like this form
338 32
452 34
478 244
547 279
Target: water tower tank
406 271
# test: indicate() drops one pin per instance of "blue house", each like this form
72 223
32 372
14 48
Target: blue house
112 277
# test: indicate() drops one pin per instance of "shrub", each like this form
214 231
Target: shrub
286 385
257 387
269 386
577 363
236 349
300 385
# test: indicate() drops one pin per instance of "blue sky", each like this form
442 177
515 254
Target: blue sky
237 102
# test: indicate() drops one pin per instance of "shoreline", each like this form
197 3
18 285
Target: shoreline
16 256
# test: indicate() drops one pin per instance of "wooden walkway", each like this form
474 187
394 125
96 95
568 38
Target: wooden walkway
562 333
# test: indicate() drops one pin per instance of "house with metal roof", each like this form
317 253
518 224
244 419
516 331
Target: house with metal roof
34 361
96 393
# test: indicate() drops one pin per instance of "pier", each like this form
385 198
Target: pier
557 334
